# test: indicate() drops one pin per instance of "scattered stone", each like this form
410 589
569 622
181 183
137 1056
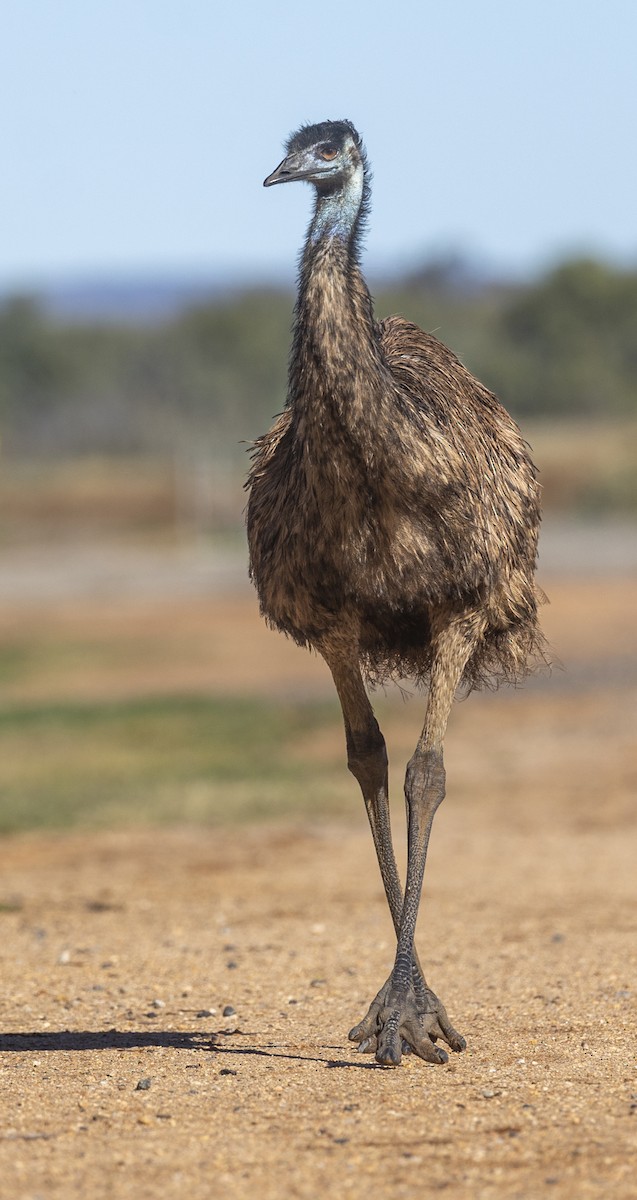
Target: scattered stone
488 1093
207 1012
158 1003
229 1011
227 1071
232 966
143 1085
64 957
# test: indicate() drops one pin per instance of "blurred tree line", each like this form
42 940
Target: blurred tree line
563 346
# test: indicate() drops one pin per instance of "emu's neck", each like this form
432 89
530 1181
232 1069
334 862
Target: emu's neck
335 363
337 213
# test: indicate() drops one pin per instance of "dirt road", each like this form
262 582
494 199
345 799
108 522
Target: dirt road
118 1081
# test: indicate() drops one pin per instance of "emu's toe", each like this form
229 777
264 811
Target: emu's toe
396 1022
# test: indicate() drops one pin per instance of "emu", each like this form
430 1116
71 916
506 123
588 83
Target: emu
392 524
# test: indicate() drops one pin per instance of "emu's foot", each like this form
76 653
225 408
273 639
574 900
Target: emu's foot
397 1022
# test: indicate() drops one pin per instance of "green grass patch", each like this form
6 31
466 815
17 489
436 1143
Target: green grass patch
169 759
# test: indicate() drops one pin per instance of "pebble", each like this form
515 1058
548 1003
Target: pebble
158 1003
207 1012
229 1011
143 1085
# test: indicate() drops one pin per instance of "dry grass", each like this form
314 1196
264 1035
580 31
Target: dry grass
585 466
147 711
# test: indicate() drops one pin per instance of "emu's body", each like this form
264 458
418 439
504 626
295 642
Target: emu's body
392 523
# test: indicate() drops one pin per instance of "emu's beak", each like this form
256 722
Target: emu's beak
291 168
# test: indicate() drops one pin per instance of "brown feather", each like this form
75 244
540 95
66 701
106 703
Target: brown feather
393 495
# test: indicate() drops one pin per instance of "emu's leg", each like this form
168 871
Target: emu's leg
394 1017
367 760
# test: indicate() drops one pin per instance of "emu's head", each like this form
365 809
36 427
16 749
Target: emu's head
328 155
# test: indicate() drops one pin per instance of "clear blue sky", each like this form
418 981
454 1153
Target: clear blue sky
136 133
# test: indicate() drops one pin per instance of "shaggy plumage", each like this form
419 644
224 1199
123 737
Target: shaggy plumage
394 509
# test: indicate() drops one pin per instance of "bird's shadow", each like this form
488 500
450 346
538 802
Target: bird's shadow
70 1040
218 1042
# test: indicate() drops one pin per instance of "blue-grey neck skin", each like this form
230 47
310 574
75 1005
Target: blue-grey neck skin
337 212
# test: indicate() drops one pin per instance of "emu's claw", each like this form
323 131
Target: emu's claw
397 1021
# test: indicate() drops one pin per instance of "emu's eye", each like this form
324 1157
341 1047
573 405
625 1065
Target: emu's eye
328 153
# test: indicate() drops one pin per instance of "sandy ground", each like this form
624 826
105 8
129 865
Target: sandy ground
119 1081
122 1077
